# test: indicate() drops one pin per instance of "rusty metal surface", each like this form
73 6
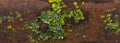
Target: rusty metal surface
22 5
30 8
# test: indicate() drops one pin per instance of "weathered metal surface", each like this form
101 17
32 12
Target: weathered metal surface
22 5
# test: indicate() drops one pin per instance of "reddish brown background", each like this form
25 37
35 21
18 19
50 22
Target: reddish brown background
93 29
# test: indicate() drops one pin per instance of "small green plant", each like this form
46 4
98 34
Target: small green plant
55 22
52 1
10 18
56 5
83 3
7 18
52 33
1 21
78 14
55 19
10 27
19 16
112 23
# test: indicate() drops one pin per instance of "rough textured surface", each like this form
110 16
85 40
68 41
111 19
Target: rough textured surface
22 5
90 31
